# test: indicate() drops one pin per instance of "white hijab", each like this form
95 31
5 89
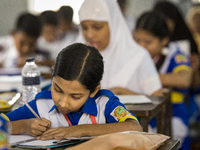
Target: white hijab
123 55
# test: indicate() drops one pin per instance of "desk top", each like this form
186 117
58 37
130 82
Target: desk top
170 144
146 110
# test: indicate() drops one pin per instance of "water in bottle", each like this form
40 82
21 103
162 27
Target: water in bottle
30 80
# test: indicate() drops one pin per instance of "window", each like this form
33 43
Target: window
37 6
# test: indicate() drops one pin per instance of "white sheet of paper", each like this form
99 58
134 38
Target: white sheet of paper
16 138
39 143
134 99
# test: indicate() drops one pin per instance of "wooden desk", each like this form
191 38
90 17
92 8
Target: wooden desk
170 144
146 112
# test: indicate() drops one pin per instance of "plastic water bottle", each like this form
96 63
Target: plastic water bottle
30 80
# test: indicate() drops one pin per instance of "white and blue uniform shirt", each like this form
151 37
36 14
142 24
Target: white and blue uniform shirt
105 106
175 61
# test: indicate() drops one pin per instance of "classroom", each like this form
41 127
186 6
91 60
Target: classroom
100 74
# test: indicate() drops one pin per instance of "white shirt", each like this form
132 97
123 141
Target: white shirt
126 64
8 52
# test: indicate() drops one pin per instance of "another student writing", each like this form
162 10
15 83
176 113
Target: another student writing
75 106
152 33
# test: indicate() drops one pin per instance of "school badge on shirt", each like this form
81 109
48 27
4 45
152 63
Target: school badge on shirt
180 58
119 112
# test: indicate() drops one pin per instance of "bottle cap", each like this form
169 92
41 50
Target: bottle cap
30 59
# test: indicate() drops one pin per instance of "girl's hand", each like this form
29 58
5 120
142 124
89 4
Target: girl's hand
59 133
36 126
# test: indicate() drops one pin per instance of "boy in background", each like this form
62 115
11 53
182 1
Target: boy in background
21 43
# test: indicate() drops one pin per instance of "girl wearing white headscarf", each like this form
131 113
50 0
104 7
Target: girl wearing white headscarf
129 68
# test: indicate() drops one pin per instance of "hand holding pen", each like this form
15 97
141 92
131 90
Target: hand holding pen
36 126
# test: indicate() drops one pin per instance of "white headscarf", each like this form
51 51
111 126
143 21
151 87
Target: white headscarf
123 57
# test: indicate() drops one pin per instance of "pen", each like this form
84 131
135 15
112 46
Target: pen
29 107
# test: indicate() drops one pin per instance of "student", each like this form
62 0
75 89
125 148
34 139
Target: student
68 29
193 21
180 31
174 67
49 25
126 73
75 106
183 37
47 41
21 43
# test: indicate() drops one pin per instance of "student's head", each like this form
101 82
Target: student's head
102 25
65 18
27 30
152 32
77 74
176 23
49 25
94 16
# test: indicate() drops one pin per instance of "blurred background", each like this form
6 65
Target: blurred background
9 9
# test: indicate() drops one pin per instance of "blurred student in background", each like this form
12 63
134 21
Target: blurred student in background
102 25
68 29
152 33
49 34
21 42
176 23
183 37
193 21
57 30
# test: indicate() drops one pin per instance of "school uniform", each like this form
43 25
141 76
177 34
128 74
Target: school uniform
8 51
174 61
126 64
103 108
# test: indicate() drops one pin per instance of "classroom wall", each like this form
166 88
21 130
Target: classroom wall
136 7
9 9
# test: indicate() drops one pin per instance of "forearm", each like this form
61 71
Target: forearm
122 91
100 129
18 127
176 80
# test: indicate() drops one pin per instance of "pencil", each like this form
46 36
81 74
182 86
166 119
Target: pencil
29 107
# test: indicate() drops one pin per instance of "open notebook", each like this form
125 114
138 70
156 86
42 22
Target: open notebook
27 141
134 99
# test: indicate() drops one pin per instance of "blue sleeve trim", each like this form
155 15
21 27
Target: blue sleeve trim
23 112
110 106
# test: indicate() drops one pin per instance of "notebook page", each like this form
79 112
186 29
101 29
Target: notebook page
134 99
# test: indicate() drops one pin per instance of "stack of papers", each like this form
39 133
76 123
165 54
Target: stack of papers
134 99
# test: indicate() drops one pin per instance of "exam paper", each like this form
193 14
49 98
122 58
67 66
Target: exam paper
134 99
27 141
16 138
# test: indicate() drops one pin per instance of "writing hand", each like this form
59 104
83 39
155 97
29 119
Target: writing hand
60 133
36 127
